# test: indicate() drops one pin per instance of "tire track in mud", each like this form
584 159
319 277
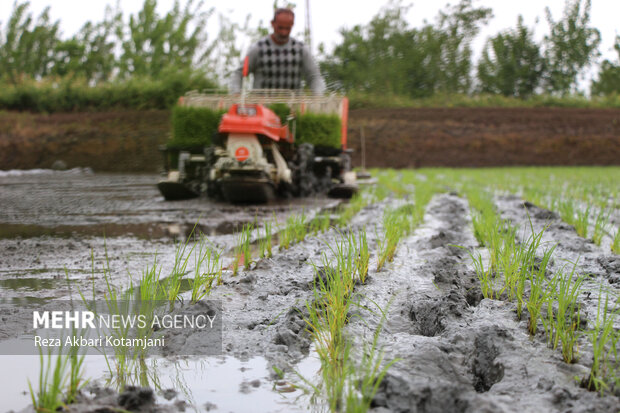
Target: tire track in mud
458 352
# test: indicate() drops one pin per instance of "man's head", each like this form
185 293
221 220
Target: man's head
282 24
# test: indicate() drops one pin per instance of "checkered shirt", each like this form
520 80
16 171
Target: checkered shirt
278 66
283 66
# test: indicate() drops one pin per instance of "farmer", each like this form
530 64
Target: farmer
279 61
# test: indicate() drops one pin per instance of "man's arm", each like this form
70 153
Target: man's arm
312 73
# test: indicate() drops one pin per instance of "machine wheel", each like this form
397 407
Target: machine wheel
304 181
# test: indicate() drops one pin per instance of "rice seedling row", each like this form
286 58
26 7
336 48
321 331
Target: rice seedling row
416 329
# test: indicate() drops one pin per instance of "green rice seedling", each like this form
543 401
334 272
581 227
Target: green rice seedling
368 374
520 291
526 256
380 192
299 227
326 321
150 288
242 250
582 221
349 381
548 318
53 378
409 215
424 191
362 256
113 298
567 316
615 244
538 291
320 223
328 315
355 205
133 301
393 229
294 231
566 208
265 243
285 237
492 233
76 372
247 253
208 270
59 381
485 276
346 253
508 259
479 226
172 284
604 339
600 227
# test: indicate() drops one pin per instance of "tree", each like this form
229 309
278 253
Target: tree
28 47
90 53
458 26
609 75
387 56
511 63
571 46
154 44
371 58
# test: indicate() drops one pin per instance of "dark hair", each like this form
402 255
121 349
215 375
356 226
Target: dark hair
281 10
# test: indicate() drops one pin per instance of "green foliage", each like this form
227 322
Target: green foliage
315 128
90 53
604 340
193 126
67 94
608 82
319 130
27 43
242 252
359 100
387 57
571 46
207 270
511 63
159 43
282 110
459 25
151 45
52 379
615 243
145 63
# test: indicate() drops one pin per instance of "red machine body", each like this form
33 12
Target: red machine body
254 119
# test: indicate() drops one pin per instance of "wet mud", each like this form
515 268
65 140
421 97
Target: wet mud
459 352
455 351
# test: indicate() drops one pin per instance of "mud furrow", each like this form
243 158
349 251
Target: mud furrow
601 267
264 309
459 353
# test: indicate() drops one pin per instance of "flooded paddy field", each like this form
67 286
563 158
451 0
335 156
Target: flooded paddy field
420 316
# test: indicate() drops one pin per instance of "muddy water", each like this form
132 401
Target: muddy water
59 231
455 351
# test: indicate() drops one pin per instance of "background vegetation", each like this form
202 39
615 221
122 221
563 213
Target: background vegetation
147 60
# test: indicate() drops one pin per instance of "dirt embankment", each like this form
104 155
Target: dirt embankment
480 137
456 137
125 141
